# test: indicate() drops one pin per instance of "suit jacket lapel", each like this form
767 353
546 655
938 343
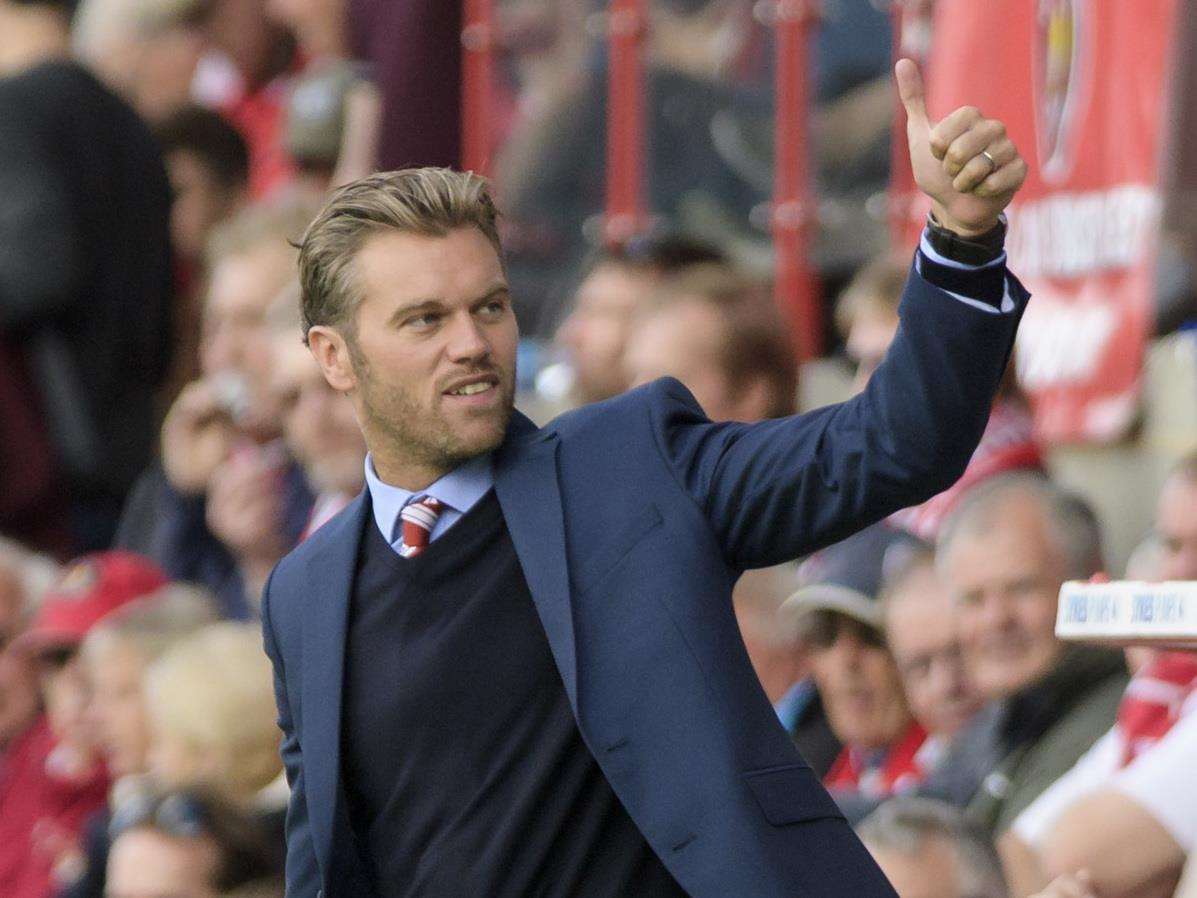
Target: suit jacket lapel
528 491
325 626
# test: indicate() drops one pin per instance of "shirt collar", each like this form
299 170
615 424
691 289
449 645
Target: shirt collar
460 489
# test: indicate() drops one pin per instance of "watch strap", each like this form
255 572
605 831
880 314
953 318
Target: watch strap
979 250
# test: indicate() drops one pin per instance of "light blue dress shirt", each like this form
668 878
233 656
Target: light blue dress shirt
458 491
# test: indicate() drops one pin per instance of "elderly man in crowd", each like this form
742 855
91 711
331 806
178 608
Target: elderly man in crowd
922 630
927 849
840 621
1004 553
1125 812
319 426
229 500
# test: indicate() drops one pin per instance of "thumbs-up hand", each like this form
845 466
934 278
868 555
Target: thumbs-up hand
965 163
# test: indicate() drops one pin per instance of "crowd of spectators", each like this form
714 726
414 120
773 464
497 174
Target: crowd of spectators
166 437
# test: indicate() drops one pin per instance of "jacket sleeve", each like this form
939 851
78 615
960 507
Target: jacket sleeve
778 489
302 871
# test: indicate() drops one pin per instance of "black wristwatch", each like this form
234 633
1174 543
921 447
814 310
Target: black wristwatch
979 250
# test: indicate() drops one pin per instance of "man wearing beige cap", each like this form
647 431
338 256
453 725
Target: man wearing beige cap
840 620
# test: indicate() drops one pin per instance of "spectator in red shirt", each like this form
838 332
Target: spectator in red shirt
53 778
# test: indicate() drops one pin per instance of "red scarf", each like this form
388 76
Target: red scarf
1155 699
895 769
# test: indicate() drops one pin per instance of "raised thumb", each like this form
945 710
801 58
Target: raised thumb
910 89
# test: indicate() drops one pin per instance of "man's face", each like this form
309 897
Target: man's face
682 341
930 872
236 339
118 707
596 333
1176 527
1005 582
318 422
144 863
921 628
240 291
859 684
434 366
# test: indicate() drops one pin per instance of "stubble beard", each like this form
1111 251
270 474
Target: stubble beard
422 436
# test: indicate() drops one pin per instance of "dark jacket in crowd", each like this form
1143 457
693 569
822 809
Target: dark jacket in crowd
1016 748
85 282
172 529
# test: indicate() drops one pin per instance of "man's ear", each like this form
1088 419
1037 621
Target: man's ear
331 351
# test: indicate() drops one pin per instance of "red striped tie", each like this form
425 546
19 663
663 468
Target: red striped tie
419 518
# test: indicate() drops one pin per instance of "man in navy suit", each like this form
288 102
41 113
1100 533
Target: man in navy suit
511 666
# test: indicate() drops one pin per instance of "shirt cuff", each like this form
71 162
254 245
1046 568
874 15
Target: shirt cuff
983 287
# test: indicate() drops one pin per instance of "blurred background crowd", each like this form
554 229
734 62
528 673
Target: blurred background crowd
165 437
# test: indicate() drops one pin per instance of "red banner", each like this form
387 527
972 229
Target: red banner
1080 85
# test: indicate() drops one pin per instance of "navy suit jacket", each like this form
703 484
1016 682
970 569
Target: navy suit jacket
632 519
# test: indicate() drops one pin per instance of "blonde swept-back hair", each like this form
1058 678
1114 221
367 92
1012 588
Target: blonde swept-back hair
427 201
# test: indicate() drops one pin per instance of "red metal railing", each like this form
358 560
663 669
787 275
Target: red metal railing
477 85
794 207
794 204
627 27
